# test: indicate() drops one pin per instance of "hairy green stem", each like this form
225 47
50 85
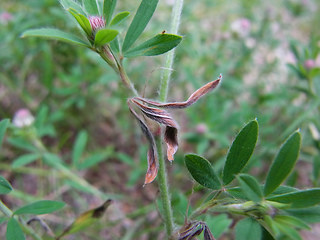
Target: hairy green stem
8 213
164 191
162 175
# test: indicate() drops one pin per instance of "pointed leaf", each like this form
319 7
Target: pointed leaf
240 151
40 207
283 163
250 187
71 4
55 34
91 7
5 186
108 9
157 45
291 221
115 46
3 127
119 18
86 219
14 231
82 20
139 22
202 171
300 199
104 36
248 229
25 159
287 231
79 147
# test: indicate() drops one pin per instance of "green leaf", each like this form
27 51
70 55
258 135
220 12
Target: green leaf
40 207
79 147
218 224
309 215
25 159
299 199
55 34
291 221
3 127
96 158
5 186
91 7
82 20
119 18
104 36
72 4
86 219
22 144
202 171
250 187
287 231
139 22
283 163
248 229
14 231
114 44
108 9
240 151
157 45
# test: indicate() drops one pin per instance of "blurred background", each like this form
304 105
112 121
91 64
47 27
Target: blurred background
65 101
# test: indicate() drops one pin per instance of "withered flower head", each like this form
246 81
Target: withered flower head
191 230
155 111
97 23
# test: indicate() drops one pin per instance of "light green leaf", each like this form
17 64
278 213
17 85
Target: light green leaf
108 9
202 171
5 186
52 159
72 4
240 151
157 45
114 44
291 221
218 224
55 34
22 144
104 36
25 159
14 231
119 18
299 199
139 22
82 20
96 158
309 215
287 231
3 127
79 147
283 163
250 187
40 207
91 7
248 229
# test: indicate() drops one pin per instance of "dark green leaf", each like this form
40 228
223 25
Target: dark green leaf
55 34
108 9
218 224
202 171
79 147
240 151
91 7
25 159
250 187
283 163
299 199
82 20
287 231
291 221
309 215
5 186
266 235
14 231
119 18
157 45
114 44
316 167
139 22
248 229
3 127
104 36
40 207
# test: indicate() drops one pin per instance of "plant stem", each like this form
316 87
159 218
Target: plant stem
8 213
164 191
162 174
166 73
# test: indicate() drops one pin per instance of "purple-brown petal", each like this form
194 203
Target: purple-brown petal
171 139
207 234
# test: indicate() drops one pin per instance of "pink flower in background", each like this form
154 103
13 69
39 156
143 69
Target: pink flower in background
5 18
309 64
97 23
201 128
23 118
241 27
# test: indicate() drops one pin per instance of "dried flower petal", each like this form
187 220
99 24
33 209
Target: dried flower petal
152 152
207 234
171 139
191 231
